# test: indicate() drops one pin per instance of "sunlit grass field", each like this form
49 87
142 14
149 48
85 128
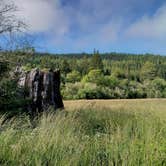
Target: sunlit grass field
88 132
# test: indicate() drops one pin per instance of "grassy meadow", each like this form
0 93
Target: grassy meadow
88 132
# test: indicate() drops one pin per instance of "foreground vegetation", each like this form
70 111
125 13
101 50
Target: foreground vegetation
89 136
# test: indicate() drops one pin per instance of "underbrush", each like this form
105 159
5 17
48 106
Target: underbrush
84 137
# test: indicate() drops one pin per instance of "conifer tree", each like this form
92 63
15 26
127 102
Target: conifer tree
96 61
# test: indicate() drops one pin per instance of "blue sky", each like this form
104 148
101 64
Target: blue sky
62 26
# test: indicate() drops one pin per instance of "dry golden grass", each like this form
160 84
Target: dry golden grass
158 106
97 132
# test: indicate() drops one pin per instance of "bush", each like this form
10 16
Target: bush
90 91
4 67
71 90
94 76
155 88
11 97
135 90
110 81
73 77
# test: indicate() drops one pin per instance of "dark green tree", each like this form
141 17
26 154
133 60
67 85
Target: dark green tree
96 61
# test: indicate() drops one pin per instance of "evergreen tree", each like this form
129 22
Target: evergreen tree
148 71
96 61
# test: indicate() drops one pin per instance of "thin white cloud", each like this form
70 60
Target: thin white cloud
43 15
150 26
83 23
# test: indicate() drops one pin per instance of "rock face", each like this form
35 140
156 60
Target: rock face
43 88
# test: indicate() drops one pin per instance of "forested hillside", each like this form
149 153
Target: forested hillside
92 76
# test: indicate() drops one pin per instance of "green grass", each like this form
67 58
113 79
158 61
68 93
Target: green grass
84 137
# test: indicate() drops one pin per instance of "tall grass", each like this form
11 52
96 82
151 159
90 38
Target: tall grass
84 137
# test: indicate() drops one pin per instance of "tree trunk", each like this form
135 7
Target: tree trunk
43 89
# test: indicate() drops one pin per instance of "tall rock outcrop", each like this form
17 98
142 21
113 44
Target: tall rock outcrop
43 88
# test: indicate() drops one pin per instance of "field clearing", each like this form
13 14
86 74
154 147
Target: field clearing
88 132
158 106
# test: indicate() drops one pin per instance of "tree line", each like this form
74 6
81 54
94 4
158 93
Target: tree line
98 76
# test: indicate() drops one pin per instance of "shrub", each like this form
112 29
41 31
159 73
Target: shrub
11 97
70 91
94 76
73 77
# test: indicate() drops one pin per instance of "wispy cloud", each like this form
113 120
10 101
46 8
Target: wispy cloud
43 15
150 26
83 24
